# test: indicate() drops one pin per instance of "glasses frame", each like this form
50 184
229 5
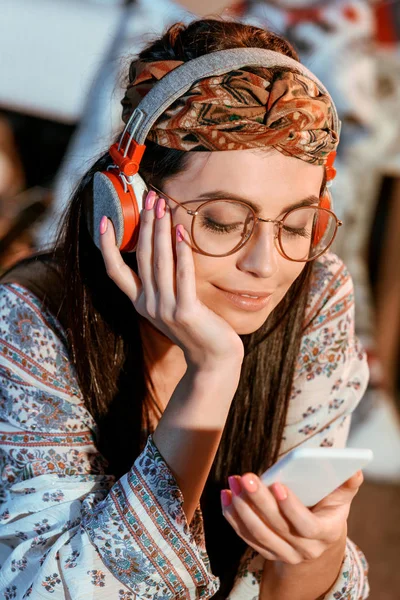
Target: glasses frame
277 234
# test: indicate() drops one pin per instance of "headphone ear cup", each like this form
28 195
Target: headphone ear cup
121 207
323 219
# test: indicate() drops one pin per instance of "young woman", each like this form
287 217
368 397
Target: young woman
142 382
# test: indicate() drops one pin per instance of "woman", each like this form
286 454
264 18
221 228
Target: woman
225 340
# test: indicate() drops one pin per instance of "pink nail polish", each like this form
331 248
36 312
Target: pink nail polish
234 484
103 225
150 199
225 498
160 208
279 491
179 233
250 482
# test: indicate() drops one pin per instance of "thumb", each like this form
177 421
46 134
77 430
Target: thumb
345 493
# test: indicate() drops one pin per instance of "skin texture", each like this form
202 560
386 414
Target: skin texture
191 332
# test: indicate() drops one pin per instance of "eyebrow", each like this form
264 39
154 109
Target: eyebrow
223 195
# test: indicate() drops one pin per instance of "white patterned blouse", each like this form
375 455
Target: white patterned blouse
68 531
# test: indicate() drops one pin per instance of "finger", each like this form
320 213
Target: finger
117 269
345 493
185 271
163 258
250 527
303 522
354 482
263 502
144 252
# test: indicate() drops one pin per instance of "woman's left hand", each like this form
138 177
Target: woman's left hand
278 526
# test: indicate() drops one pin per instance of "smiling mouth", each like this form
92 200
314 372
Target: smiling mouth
247 300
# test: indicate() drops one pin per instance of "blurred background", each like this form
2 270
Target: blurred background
62 77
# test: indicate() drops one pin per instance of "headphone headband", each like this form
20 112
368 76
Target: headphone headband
177 82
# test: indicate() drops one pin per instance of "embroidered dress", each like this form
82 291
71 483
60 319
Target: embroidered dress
69 531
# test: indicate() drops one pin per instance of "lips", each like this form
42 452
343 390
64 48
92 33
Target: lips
248 300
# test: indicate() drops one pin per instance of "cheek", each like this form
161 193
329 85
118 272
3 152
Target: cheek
208 270
287 273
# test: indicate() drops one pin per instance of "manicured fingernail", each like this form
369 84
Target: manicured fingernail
103 225
160 209
279 491
179 233
234 484
150 199
250 482
225 498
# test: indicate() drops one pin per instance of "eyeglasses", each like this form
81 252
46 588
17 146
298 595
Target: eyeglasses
222 227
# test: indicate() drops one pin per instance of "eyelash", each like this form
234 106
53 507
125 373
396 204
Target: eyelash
218 227
296 232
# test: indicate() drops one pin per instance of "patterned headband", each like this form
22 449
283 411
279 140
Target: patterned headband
240 110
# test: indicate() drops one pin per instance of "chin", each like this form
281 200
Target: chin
243 322
246 325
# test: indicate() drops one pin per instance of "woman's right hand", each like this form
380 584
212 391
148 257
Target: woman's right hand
164 291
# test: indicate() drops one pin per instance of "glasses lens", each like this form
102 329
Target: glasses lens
222 226
307 232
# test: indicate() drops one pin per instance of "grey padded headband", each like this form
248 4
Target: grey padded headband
177 82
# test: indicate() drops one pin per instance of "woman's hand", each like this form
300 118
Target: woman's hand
274 522
164 290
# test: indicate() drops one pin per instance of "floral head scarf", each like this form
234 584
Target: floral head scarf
240 110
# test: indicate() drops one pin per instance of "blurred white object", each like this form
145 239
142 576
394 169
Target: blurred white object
50 52
380 431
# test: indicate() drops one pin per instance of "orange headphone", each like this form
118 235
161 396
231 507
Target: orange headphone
325 201
119 192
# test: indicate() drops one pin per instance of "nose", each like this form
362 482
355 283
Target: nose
260 256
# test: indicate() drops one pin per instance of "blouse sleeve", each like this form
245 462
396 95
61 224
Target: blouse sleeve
67 530
330 379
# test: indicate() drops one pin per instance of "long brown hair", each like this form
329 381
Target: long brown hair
105 342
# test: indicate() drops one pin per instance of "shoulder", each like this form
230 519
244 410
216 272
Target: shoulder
331 372
31 339
331 292
37 378
329 344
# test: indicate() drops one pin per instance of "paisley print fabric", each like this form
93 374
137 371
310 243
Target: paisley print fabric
240 110
68 530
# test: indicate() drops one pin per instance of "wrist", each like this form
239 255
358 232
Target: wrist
218 367
218 370
308 580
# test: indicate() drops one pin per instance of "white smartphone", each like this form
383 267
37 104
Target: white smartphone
313 473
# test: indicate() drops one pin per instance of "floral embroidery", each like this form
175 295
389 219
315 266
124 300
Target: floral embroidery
311 410
5 515
327 443
335 404
70 563
50 582
42 527
122 595
97 578
308 429
18 565
38 541
10 592
22 322
56 496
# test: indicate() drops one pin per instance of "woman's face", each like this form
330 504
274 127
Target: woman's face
268 179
